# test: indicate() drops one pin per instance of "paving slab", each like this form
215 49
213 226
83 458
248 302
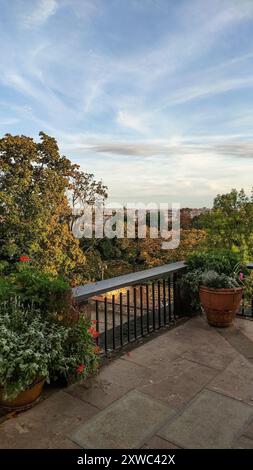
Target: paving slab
98 393
240 342
157 442
243 443
155 352
125 374
113 381
181 381
245 326
211 421
236 380
126 424
45 425
248 431
199 342
194 340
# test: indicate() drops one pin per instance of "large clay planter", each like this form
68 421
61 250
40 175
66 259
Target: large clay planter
24 400
220 305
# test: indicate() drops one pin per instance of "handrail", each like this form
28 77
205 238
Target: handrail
82 293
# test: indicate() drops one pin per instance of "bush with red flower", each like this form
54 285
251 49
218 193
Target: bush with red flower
24 259
81 354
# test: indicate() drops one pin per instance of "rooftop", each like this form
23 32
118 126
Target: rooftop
177 390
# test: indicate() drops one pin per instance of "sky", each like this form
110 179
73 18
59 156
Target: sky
153 96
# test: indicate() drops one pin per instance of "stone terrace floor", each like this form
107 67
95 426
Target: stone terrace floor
190 387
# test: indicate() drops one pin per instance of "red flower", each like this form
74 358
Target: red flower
24 259
94 322
80 368
96 350
93 332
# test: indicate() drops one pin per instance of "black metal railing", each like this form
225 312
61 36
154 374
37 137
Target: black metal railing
132 306
246 307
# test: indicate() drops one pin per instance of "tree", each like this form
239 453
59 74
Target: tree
230 223
35 183
84 190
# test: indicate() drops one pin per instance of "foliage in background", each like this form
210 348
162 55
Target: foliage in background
107 258
36 184
230 224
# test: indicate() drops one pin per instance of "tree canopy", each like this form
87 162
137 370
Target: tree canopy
36 185
230 223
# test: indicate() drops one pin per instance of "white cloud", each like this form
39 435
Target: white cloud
131 121
42 11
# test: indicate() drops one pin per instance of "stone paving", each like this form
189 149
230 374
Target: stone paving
190 387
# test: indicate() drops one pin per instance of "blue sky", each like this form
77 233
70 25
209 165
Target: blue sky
153 96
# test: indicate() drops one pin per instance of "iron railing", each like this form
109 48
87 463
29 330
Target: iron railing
246 308
129 307
132 306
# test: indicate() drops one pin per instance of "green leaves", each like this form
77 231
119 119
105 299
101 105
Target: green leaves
230 223
218 281
33 346
34 209
219 260
48 293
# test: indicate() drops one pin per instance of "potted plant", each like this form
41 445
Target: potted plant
220 296
35 348
28 346
214 282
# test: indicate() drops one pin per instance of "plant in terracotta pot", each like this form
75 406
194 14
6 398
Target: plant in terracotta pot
220 296
29 346
35 348
213 270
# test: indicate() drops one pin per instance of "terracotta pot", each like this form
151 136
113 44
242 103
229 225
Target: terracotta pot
24 400
220 305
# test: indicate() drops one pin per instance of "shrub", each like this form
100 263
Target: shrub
29 345
48 293
221 261
33 347
80 357
189 285
7 290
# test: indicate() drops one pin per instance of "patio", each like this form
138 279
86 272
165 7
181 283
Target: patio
188 387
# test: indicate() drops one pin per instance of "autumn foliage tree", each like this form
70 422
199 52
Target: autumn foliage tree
230 223
35 212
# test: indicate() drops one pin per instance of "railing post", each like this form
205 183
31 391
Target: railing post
179 307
